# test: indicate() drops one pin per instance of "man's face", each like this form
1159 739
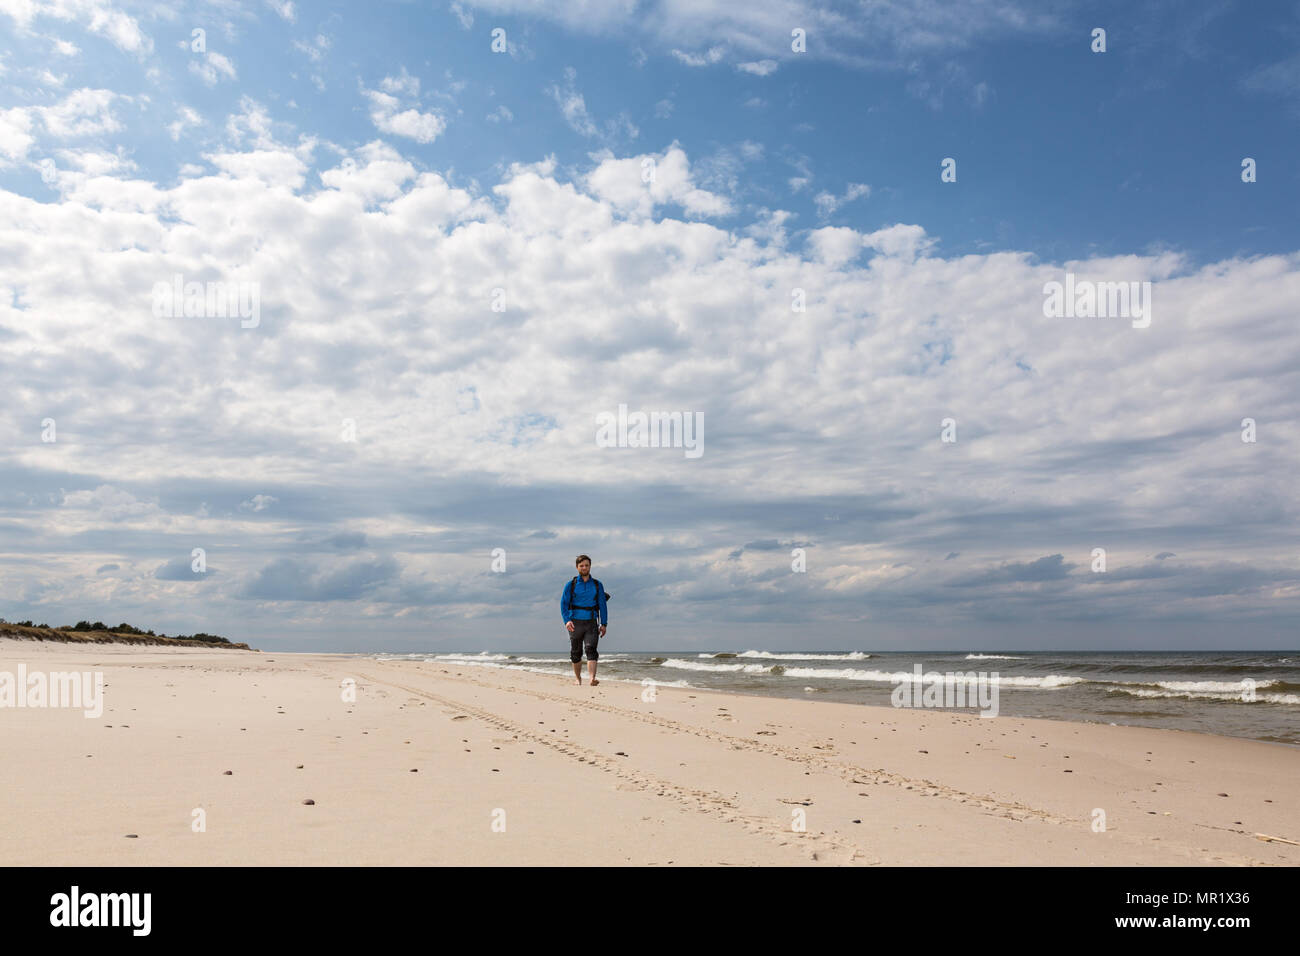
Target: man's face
584 568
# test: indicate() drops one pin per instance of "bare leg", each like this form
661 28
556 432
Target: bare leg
577 671
591 671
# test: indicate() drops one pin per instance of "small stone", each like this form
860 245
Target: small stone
1223 794
415 770
309 803
299 767
133 836
227 773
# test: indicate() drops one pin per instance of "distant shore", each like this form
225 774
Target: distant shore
108 636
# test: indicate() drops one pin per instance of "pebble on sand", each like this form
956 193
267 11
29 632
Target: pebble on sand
309 803
133 836
227 773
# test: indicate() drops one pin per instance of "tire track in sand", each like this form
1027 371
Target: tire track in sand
849 772
819 846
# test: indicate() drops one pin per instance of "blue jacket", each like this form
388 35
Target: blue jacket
584 595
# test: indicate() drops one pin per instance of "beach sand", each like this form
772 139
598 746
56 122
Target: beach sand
516 768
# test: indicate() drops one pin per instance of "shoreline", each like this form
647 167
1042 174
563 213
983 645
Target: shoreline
836 695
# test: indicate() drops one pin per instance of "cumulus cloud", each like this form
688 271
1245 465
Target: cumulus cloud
638 184
387 114
471 426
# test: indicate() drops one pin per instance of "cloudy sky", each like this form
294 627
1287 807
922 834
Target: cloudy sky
464 231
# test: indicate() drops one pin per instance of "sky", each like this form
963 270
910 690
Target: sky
464 234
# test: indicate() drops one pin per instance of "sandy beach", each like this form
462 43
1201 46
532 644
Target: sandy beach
438 764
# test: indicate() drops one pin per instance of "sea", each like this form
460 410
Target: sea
1253 694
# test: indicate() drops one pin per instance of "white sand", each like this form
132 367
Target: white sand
703 778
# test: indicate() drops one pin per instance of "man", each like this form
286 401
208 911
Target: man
580 602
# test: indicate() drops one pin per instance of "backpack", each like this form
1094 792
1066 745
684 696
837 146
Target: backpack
600 588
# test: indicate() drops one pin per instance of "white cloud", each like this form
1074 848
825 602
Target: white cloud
663 109
210 67
65 48
388 117
828 203
501 114
185 118
316 48
465 17
97 162
284 8
97 16
403 84
573 107
891 34
900 240
835 245
15 132
707 58
758 67
377 285
84 112
623 184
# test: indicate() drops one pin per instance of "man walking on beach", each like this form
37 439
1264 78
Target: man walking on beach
580 602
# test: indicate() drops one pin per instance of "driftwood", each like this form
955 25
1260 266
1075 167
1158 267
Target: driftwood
1272 839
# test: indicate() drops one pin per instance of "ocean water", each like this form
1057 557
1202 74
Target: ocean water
1253 694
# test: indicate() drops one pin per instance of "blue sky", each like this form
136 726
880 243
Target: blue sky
379 171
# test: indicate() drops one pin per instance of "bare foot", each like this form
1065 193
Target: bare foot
579 681
594 682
